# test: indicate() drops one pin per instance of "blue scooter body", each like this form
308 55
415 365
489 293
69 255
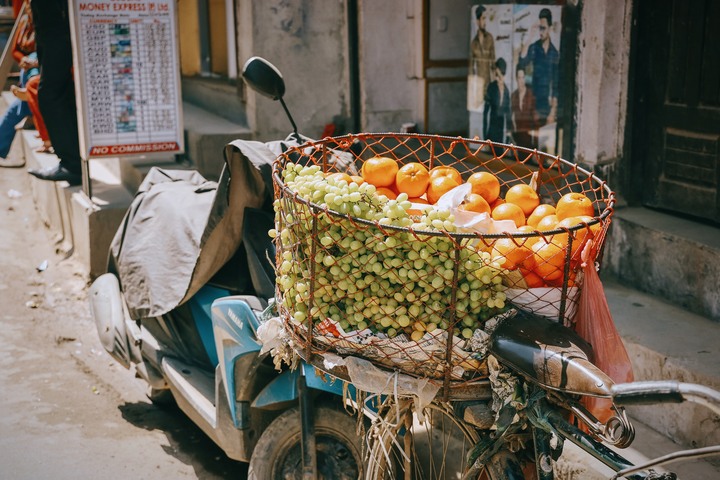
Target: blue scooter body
228 328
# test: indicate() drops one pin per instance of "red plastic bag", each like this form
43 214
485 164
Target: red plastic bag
594 323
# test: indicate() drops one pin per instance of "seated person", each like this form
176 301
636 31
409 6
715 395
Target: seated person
23 51
29 94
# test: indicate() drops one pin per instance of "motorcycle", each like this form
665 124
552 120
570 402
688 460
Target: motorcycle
512 424
184 301
190 275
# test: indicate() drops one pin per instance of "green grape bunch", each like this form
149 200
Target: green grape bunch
340 256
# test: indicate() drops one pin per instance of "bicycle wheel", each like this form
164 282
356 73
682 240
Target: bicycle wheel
408 449
402 448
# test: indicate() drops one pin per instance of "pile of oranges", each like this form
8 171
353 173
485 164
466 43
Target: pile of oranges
540 259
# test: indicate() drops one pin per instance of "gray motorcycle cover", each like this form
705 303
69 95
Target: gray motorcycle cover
181 228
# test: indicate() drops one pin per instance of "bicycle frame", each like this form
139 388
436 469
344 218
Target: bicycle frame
546 412
547 420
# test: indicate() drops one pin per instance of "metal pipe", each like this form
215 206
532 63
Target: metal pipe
591 446
543 454
307 431
292 121
669 458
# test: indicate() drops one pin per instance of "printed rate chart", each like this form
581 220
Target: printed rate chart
130 77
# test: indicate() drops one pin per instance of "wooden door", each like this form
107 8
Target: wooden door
676 129
446 42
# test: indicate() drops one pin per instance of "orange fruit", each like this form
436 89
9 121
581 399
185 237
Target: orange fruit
509 211
524 196
533 280
438 186
540 211
579 235
416 211
380 171
514 255
413 179
391 195
388 192
498 201
549 260
474 203
446 171
557 282
548 222
485 184
340 176
357 179
574 205
529 241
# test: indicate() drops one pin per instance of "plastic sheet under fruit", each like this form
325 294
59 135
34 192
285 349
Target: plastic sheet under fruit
546 301
365 376
423 358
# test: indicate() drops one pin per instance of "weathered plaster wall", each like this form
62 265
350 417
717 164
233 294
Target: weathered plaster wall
602 81
390 63
307 41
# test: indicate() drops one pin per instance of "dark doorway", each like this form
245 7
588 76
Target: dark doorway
676 121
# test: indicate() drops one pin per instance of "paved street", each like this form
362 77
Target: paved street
67 410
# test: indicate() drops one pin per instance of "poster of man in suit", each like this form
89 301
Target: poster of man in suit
513 89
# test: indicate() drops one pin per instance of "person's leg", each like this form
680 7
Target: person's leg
56 96
32 101
12 116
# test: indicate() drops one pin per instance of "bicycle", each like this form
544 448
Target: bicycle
521 449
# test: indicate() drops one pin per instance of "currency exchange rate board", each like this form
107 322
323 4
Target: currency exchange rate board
127 77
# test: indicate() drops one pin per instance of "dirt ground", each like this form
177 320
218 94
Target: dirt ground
67 409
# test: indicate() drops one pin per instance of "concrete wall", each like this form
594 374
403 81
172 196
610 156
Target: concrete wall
390 64
307 41
602 81
667 256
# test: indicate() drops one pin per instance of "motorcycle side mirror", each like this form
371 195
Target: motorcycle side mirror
264 78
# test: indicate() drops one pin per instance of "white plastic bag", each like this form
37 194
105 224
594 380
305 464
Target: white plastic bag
367 377
471 221
269 333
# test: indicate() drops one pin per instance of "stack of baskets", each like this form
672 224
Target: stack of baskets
412 291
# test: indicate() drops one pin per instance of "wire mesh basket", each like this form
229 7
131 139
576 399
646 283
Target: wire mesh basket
407 284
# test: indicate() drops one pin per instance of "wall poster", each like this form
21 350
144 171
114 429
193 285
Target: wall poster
513 87
127 77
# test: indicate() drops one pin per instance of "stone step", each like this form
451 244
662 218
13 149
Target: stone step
80 226
85 227
671 257
216 95
206 135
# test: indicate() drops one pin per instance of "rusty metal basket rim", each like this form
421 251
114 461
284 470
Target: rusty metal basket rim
607 211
